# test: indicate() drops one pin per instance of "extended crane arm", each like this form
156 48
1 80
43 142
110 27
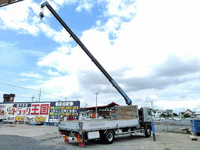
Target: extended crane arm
127 99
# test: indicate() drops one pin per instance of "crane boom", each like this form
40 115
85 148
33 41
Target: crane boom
127 99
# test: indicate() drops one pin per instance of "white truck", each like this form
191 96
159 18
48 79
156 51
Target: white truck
139 120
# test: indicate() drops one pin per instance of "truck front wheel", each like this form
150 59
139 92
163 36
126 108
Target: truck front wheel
109 137
148 131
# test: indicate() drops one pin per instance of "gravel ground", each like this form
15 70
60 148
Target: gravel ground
15 137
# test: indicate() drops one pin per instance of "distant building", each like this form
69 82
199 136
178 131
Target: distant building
159 112
167 112
105 111
188 111
8 98
198 115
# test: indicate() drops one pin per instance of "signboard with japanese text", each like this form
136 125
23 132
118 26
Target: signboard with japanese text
39 112
64 109
36 112
29 112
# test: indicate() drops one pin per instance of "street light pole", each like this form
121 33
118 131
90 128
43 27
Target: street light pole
39 94
152 104
96 104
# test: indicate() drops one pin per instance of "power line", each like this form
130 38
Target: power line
19 87
53 95
32 90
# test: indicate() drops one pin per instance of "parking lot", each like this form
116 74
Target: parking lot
13 136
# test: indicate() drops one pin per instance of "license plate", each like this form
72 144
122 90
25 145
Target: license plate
71 138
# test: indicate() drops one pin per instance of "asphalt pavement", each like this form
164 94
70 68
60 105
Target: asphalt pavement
27 137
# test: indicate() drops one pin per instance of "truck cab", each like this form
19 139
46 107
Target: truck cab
145 114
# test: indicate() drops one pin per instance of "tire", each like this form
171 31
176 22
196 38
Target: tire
148 131
109 137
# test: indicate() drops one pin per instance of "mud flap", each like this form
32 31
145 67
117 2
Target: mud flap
82 144
66 140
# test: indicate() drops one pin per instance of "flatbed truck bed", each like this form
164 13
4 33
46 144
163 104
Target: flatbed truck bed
97 124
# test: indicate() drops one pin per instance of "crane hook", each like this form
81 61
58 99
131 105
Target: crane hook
41 14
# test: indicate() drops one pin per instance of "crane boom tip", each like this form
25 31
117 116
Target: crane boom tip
44 4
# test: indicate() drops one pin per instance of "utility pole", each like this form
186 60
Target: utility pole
32 98
39 94
152 104
96 104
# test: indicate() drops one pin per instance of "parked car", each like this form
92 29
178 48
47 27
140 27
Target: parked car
193 117
162 118
176 119
156 119
100 117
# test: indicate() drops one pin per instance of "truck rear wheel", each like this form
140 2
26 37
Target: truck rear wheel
148 131
109 137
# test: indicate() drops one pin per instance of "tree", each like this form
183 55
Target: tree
162 115
174 114
186 115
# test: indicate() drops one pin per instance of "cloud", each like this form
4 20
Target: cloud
22 20
117 12
166 27
30 74
85 4
65 85
176 104
22 80
178 66
61 36
174 70
120 8
77 59
137 68
81 4
62 2
58 60
27 21
52 73
150 48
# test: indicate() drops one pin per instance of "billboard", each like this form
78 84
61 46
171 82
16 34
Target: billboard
36 112
64 109
3 112
39 112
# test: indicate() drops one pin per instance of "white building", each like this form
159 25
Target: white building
167 112
159 112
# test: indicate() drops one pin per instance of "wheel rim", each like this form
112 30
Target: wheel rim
148 131
110 137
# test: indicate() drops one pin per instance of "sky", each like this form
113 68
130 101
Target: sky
150 48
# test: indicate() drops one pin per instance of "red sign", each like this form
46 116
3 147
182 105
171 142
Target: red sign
35 109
